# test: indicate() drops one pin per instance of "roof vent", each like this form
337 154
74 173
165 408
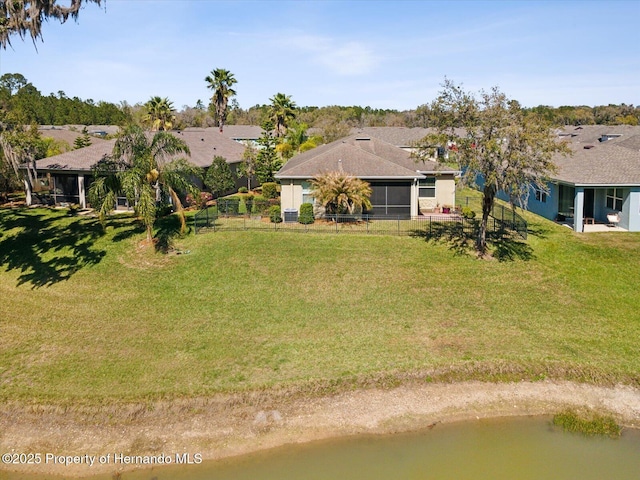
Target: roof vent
609 136
363 139
588 147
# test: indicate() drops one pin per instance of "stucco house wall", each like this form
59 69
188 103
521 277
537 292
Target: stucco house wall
392 172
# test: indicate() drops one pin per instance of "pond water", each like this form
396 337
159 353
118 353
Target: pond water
523 448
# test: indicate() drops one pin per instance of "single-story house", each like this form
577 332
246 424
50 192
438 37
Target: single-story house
67 176
401 185
598 182
66 135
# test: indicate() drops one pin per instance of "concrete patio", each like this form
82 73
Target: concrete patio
601 227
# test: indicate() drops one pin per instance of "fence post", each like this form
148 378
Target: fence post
367 220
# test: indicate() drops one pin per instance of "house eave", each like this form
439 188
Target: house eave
364 177
440 172
596 185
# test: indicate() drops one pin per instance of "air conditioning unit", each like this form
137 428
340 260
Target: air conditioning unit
290 215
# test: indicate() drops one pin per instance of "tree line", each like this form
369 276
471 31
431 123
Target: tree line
21 102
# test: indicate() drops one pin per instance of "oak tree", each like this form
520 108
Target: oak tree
497 147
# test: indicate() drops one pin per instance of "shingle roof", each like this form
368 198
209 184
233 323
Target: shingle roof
81 159
242 132
360 156
69 136
403 137
207 144
204 145
615 161
398 136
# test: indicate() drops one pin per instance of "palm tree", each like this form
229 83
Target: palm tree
141 168
159 112
341 193
221 81
282 110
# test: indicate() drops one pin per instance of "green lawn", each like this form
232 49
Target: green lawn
94 318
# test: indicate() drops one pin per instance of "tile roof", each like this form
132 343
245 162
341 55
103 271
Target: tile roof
360 156
615 161
203 144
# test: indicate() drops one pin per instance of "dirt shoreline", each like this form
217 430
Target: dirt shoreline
223 427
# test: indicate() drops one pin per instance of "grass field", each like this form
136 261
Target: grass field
91 318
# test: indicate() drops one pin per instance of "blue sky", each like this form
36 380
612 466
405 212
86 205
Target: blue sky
384 54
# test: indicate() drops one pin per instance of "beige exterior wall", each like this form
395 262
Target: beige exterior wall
446 190
445 194
415 207
291 194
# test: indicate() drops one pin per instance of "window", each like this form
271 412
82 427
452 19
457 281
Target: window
427 188
541 195
566 195
306 193
615 198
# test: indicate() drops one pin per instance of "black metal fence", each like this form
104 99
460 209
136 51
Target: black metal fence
224 217
506 216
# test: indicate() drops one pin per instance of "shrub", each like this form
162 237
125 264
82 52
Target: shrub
243 190
261 205
248 203
468 213
306 214
219 177
199 201
275 214
229 205
270 190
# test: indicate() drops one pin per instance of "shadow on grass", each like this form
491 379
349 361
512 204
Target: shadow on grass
126 228
538 230
49 246
167 229
508 246
461 238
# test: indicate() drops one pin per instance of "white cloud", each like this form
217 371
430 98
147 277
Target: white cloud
349 58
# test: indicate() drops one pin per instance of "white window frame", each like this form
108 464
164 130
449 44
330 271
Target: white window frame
306 193
540 195
615 199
